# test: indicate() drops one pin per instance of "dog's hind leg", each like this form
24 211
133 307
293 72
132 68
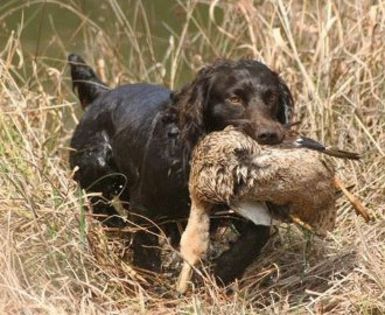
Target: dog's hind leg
102 205
97 174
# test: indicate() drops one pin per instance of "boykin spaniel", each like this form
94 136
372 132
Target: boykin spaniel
136 140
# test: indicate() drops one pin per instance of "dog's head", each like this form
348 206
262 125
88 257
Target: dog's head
245 94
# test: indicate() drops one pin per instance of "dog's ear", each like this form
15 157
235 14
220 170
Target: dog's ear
191 102
286 104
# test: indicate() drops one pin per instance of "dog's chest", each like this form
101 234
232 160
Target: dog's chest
162 183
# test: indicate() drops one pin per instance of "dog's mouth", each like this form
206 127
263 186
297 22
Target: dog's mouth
269 134
243 125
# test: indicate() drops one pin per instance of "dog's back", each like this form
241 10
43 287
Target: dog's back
110 132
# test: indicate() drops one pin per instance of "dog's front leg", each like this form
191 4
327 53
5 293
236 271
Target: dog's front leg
233 262
146 250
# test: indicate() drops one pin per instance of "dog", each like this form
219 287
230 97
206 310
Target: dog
136 140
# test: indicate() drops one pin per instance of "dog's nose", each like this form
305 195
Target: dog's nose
269 137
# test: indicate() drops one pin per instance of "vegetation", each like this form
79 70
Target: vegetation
54 259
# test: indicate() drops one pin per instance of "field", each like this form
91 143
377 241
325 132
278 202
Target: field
55 259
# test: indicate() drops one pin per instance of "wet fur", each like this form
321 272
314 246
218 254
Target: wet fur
136 141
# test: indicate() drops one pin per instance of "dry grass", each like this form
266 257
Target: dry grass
55 260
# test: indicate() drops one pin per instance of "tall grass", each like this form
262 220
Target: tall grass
54 259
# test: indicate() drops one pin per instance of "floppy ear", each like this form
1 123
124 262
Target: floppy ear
191 103
286 103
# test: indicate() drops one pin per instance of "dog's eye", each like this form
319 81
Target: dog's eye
269 97
235 100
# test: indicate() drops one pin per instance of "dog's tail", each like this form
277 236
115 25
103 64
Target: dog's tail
85 82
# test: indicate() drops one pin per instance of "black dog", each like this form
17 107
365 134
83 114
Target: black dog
136 141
